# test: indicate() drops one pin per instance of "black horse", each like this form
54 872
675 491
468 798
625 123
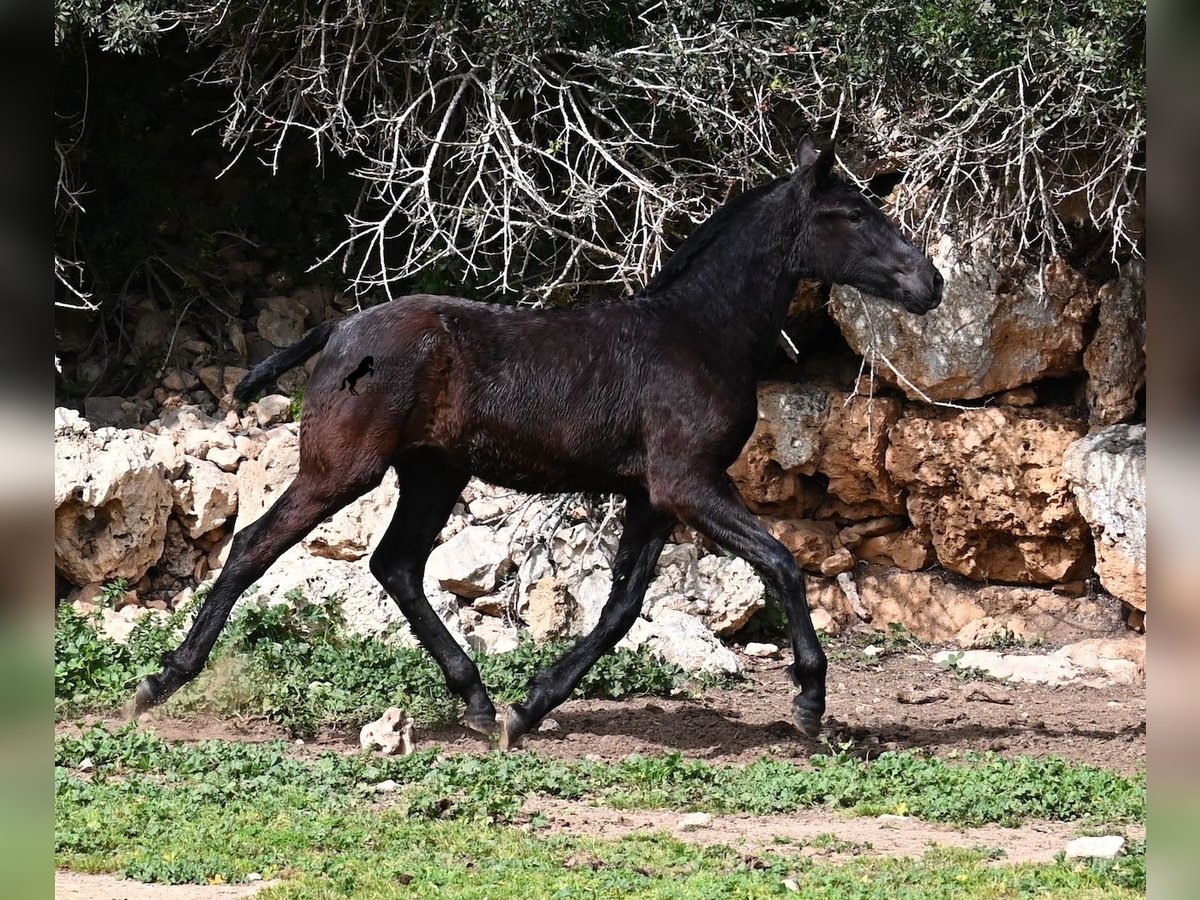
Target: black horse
651 397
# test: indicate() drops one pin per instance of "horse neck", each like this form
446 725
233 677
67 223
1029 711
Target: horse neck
736 312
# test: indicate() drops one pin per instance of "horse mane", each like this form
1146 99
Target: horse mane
709 232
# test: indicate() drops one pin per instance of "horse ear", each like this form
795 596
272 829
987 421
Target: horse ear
825 164
806 153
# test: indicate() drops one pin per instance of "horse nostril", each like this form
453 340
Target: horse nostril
938 281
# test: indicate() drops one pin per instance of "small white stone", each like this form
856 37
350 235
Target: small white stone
386 787
254 876
1106 847
549 726
873 650
762 651
791 885
893 819
695 820
87 765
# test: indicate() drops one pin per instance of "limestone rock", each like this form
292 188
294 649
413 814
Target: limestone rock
854 441
282 322
682 639
936 607
493 636
692 821
762 651
732 591
1115 360
909 549
806 430
112 412
1107 473
272 409
1107 846
366 606
550 613
810 541
205 497
989 487
355 529
994 330
392 733
179 556
837 563
111 502
262 480
784 446
472 562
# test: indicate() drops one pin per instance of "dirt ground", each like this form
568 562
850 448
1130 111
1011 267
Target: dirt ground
899 701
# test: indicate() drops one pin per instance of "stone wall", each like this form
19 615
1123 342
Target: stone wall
969 473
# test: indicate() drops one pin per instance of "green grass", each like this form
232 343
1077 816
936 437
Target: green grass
167 812
297 666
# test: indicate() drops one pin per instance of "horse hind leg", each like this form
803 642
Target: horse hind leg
429 488
714 508
646 531
308 500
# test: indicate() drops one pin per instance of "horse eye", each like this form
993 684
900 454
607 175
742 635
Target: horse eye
856 217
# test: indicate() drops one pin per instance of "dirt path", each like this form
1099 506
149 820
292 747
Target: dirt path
81 886
816 833
901 701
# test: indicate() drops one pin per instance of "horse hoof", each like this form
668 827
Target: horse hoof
806 723
512 729
144 699
482 723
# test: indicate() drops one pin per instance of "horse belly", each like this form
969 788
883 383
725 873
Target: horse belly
555 458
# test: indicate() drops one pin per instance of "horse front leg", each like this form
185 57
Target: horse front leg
646 531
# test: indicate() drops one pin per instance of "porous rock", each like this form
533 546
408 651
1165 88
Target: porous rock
995 329
989 488
111 502
392 733
1107 474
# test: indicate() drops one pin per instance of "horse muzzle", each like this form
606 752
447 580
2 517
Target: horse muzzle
921 292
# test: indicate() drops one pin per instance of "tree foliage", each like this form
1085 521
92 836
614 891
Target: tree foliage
549 148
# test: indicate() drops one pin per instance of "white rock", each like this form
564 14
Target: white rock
199 442
685 641
732 591
387 787
225 458
692 821
472 562
272 409
111 503
1106 847
392 733
1107 472
762 651
366 606
355 530
205 497
493 636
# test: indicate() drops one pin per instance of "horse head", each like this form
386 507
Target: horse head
844 238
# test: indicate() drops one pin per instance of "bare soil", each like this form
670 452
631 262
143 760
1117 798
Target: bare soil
899 701
83 886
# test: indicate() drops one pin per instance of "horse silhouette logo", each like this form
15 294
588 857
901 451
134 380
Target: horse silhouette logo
364 368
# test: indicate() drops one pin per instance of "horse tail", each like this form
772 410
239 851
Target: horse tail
287 358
